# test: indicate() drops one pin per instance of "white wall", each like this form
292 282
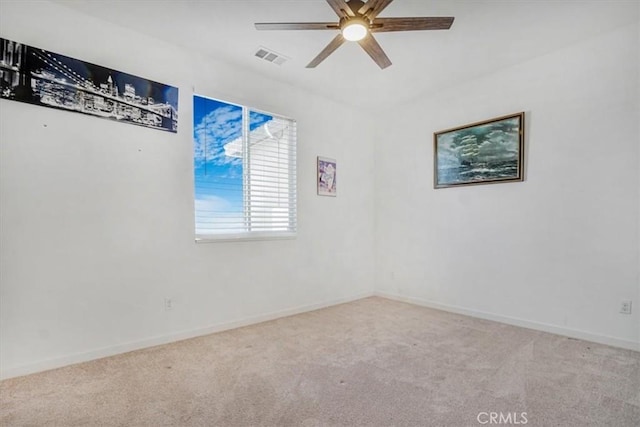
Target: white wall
558 251
96 217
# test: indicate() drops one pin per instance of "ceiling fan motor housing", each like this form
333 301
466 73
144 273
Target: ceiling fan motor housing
355 6
360 19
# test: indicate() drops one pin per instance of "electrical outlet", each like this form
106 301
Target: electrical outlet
168 304
625 307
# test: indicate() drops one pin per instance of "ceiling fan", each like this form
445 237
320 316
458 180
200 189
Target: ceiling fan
358 20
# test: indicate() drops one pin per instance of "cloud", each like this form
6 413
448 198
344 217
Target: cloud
498 145
219 127
210 203
448 159
495 142
257 119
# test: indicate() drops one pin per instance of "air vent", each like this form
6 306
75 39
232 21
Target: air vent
271 56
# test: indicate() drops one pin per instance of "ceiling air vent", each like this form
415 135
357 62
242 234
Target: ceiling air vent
271 56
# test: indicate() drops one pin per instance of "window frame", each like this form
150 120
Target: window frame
292 168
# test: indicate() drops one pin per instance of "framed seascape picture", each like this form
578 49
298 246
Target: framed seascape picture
326 176
486 152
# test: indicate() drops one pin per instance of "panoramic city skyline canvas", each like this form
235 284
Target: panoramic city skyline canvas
480 153
37 76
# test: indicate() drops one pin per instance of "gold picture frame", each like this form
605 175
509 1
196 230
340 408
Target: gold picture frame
487 152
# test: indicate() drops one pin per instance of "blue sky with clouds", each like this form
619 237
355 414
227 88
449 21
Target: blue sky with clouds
218 177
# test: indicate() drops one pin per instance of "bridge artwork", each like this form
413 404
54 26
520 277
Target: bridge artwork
40 77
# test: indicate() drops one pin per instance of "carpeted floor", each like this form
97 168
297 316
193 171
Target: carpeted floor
372 362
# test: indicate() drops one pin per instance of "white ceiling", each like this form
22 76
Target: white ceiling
485 36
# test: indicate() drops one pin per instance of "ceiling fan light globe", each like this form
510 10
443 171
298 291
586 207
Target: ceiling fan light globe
354 30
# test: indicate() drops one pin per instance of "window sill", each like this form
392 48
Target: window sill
244 237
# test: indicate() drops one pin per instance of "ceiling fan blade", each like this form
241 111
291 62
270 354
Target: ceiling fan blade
297 26
373 7
331 47
371 46
381 25
341 8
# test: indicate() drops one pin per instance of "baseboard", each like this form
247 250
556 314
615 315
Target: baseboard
567 332
179 336
166 339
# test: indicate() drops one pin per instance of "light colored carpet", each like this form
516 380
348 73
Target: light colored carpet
372 362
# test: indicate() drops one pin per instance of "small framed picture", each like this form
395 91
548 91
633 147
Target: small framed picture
326 176
480 153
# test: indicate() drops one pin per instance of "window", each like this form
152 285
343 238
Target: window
245 172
